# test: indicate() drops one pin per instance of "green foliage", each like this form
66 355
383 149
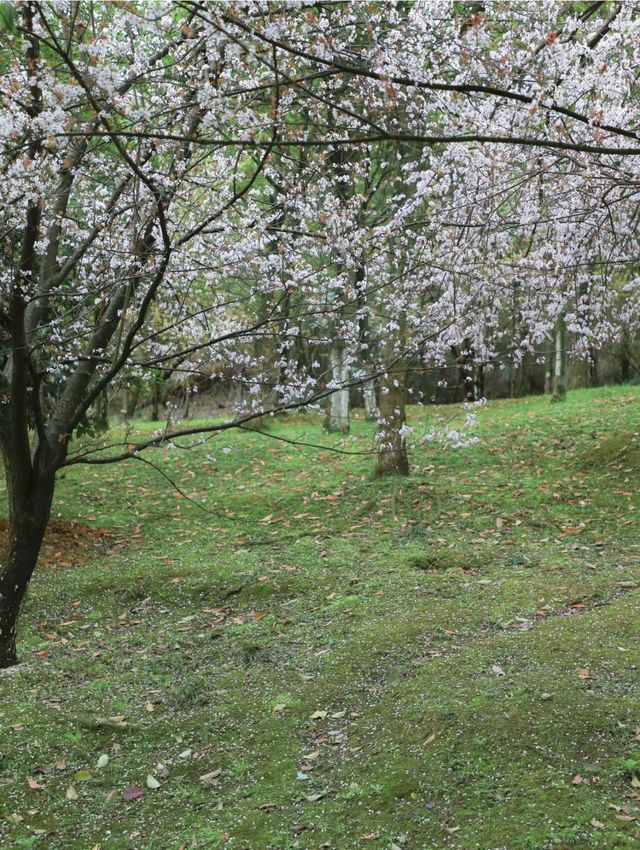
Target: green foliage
8 17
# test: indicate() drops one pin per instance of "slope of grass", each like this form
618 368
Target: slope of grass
448 661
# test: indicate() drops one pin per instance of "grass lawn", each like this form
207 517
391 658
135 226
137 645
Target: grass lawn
320 659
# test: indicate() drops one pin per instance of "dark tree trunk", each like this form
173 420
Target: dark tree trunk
548 372
392 447
29 516
132 395
102 411
478 386
594 377
155 400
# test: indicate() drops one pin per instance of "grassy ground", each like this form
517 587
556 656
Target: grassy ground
447 662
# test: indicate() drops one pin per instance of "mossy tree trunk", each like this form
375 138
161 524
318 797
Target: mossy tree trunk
392 444
559 383
371 410
337 418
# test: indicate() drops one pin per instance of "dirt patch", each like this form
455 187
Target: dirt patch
70 544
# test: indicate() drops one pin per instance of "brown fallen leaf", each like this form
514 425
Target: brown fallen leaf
584 673
211 778
35 786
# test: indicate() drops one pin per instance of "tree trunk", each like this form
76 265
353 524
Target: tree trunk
392 446
594 377
28 519
466 370
102 411
131 401
559 388
155 400
337 418
625 357
548 372
478 382
371 412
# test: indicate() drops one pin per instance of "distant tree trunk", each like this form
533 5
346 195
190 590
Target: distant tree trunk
371 412
559 386
594 378
155 399
131 396
548 371
466 371
392 446
102 411
478 382
337 418
625 357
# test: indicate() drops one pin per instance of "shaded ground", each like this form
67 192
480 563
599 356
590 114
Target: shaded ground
326 660
70 544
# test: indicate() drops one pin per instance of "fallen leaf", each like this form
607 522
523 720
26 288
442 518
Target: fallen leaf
152 782
82 775
212 777
577 780
584 673
280 707
598 824
133 793
149 706
71 793
35 786
319 715
497 670
103 760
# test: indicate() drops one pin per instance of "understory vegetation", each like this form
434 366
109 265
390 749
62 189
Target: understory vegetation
286 652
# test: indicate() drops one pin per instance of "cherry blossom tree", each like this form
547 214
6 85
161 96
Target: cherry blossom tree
174 198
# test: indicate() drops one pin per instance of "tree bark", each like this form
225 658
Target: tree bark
559 387
337 418
28 518
392 446
371 412
548 372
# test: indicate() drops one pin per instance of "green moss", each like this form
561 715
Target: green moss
431 662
